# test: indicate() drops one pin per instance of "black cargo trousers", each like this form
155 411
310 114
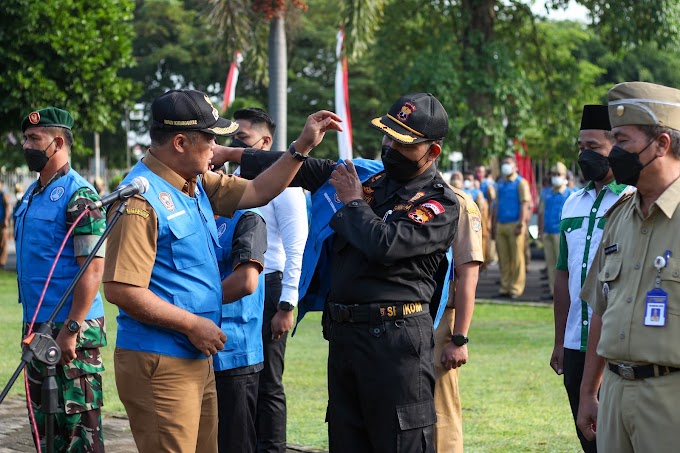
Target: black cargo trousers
381 383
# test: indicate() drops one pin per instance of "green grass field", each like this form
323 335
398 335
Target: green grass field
512 400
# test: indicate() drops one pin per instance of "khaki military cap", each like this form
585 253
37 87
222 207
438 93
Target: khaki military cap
560 168
644 104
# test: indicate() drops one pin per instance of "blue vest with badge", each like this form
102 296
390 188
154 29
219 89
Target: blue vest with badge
508 200
315 279
241 320
185 272
39 229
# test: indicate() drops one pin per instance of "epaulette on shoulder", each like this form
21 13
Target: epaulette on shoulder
620 202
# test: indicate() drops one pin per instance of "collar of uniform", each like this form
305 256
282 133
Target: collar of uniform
613 186
667 202
166 173
616 187
61 172
512 177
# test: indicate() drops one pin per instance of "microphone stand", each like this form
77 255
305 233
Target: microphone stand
41 346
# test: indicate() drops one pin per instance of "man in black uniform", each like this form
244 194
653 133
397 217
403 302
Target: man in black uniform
391 237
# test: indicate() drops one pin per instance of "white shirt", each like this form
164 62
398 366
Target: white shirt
582 224
287 228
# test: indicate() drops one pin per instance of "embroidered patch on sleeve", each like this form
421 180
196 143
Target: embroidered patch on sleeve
434 206
425 212
137 211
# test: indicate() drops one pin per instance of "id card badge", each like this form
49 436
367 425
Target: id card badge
655 307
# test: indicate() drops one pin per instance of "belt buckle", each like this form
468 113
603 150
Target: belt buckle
343 312
626 372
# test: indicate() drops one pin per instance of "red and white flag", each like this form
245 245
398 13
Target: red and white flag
232 78
342 101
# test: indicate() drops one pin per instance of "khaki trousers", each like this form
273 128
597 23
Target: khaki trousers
449 427
551 248
511 258
171 402
638 416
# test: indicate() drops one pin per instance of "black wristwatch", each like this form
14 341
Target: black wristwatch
73 326
286 306
459 339
295 154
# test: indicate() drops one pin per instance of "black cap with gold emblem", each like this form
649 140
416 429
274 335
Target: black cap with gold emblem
189 110
414 118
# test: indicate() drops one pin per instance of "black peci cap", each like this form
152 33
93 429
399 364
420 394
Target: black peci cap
595 117
414 118
189 110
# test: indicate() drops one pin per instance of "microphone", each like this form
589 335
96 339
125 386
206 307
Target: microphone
138 185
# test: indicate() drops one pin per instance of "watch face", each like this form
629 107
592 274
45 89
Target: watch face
459 340
73 326
286 306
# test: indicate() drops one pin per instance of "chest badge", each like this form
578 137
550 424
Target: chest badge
416 196
166 199
221 230
56 193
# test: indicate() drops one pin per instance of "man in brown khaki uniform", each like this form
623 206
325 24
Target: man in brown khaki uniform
450 349
634 283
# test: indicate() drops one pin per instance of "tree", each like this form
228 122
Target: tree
237 21
66 53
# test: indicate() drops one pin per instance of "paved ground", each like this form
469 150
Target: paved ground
15 433
536 285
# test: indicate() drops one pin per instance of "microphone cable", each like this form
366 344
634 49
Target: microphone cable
34 424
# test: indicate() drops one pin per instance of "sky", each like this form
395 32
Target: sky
573 12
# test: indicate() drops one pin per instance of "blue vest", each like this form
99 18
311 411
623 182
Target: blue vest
484 187
39 229
185 272
474 193
241 320
3 209
508 200
317 257
552 210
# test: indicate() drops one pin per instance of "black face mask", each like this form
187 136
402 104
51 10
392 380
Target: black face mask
397 166
236 143
36 159
594 166
627 166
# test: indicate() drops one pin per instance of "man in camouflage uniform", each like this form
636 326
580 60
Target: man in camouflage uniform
50 206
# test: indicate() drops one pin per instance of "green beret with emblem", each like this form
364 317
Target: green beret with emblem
644 104
48 117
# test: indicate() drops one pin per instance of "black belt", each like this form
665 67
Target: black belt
364 312
640 371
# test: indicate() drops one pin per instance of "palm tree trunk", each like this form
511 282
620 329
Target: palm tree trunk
278 80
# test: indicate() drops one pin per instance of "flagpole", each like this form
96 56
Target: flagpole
342 101
232 79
